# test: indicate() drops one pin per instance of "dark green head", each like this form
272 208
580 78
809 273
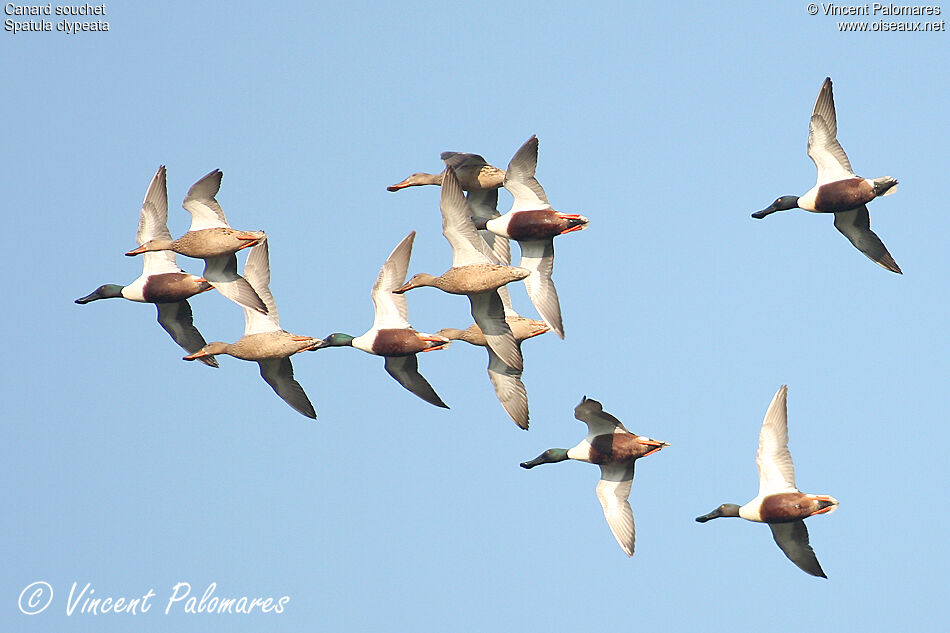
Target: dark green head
337 339
781 204
550 456
106 291
725 510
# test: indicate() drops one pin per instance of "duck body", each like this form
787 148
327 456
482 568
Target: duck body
538 224
165 288
522 328
269 345
784 507
155 288
615 449
844 195
205 243
472 171
397 342
468 280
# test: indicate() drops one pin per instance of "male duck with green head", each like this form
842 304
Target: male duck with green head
612 447
779 503
391 335
839 190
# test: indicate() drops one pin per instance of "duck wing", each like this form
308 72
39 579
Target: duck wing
153 224
257 275
776 471
483 204
823 146
856 226
176 319
520 181
538 257
792 538
489 313
279 374
613 491
405 369
459 160
598 421
205 211
468 247
392 310
509 389
221 272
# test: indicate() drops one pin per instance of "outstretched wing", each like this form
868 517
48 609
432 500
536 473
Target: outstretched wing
823 146
405 369
279 374
205 211
509 389
776 471
392 310
176 319
153 224
520 181
793 539
468 247
538 257
598 421
613 491
856 226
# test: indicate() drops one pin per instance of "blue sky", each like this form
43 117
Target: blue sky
667 126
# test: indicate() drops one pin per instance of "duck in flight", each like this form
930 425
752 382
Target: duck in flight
475 272
391 335
615 449
162 282
264 341
212 239
534 224
779 503
839 190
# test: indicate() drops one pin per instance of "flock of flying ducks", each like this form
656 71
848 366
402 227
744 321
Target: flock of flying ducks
481 269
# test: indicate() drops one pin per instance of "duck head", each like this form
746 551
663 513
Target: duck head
417 281
337 339
725 510
550 456
415 180
151 245
105 291
210 349
781 204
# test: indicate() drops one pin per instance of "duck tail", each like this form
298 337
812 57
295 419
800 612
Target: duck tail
884 186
